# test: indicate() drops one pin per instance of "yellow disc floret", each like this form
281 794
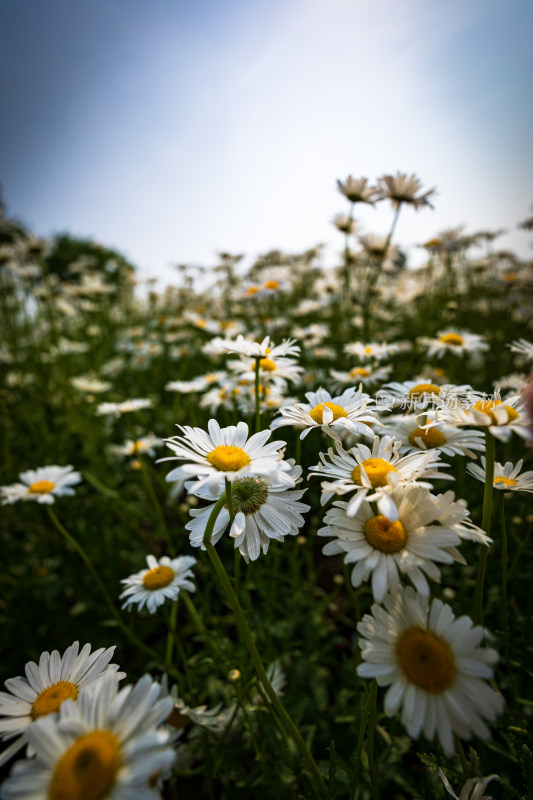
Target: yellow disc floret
228 458
486 406
430 437
376 469
384 534
317 413
425 659
271 285
158 578
452 338
504 480
424 388
88 769
41 487
50 699
359 372
266 364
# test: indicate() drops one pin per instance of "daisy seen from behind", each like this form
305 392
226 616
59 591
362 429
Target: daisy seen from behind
42 485
433 666
46 686
163 580
107 745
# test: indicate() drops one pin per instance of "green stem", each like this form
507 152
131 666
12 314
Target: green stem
171 632
485 524
229 500
361 737
191 608
248 639
257 401
504 576
370 739
157 506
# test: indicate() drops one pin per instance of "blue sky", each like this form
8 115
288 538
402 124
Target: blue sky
171 130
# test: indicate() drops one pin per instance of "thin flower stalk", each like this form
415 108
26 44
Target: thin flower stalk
485 524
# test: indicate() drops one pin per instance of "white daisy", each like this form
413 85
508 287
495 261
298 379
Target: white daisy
262 512
371 350
134 447
433 665
90 385
357 375
419 394
277 369
454 514
108 744
459 342
163 580
46 686
382 547
523 347
372 474
245 347
127 406
439 436
195 384
500 418
43 485
345 412
507 477
225 453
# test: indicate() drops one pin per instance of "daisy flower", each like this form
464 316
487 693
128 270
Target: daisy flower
90 385
46 686
432 663
108 744
454 341
224 453
359 375
500 418
135 447
507 477
162 581
403 188
245 347
345 412
372 474
43 485
357 191
262 512
523 347
277 369
454 514
198 384
420 393
438 436
382 547
371 350
117 409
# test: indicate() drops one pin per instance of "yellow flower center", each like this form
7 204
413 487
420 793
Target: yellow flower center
359 372
88 769
158 577
200 323
317 412
425 659
486 406
376 469
271 285
228 458
504 480
385 535
424 388
50 699
452 338
266 364
431 437
368 349
252 290
41 487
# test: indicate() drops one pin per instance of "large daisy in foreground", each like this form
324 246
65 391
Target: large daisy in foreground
107 745
225 453
432 663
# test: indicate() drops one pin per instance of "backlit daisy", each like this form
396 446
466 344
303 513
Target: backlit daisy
346 412
454 341
507 477
403 188
432 663
46 686
373 473
262 512
107 745
43 485
163 580
225 453
357 191
383 548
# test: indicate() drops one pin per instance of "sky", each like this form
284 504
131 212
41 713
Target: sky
173 130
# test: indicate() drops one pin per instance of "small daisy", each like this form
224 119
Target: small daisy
108 744
345 412
43 485
245 347
90 385
500 418
382 547
134 447
357 375
46 686
403 188
262 512
420 393
198 384
432 663
373 473
127 406
507 477
523 347
162 581
438 436
454 341
357 191
270 369
371 350
224 453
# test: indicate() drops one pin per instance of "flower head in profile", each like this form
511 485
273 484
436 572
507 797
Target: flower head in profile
500 417
42 485
433 666
163 580
523 347
347 412
46 686
245 347
109 744
126 407
369 351
403 188
452 340
357 191
507 477
225 453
